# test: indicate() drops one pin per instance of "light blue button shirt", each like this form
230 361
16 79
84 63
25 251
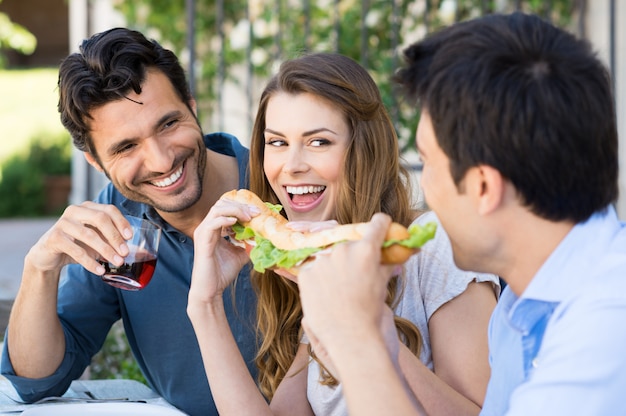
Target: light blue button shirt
560 348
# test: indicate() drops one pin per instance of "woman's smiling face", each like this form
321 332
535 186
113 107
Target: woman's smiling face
306 138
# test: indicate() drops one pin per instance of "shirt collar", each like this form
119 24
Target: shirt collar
564 271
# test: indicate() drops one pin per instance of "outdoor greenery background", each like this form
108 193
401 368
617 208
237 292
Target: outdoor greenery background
34 142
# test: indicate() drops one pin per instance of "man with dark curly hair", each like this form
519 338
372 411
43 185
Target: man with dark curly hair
126 103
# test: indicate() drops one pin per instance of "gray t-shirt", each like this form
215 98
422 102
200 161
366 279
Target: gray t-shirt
432 279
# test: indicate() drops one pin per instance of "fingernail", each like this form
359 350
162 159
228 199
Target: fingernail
100 270
127 233
117 259
254 209
297 226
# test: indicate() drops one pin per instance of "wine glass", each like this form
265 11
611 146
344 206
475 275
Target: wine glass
138 267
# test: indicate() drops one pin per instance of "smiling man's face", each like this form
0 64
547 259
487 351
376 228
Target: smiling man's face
150 146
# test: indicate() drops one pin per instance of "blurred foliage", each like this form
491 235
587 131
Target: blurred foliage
22 176
14 37
270 31
28 108
115 360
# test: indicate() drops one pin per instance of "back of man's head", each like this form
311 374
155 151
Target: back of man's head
531 100
108 67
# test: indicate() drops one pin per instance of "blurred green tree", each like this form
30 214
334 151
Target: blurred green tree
23 176
14 37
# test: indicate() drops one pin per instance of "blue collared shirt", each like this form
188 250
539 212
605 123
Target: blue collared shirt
155 318
560 348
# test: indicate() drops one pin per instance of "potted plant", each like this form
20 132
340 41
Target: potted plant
37 182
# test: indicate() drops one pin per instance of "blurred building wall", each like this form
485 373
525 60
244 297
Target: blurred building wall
48 20
88 17
606 30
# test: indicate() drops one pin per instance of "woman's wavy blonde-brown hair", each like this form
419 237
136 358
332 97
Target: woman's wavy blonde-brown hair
373 181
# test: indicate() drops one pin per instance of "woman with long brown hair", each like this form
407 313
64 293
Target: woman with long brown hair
324 148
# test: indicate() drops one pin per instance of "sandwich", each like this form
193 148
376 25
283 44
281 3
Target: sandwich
272 245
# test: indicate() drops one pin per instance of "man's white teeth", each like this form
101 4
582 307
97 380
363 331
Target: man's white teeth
301 190
169 180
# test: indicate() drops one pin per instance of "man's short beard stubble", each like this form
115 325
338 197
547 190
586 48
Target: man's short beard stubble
181 205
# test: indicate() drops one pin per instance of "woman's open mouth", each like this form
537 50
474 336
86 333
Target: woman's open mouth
306 197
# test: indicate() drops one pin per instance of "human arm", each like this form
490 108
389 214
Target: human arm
216 264
290 397
343 295
36 340
87 308
458 338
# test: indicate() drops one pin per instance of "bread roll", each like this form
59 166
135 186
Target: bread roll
273 226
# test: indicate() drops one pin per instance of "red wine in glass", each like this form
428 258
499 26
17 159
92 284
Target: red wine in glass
139 264
134 274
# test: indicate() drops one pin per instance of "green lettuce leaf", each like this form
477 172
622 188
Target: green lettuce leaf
265 255
241 232
418 236
274 207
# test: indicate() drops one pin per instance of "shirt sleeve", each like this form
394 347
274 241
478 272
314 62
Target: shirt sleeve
87 314
87 309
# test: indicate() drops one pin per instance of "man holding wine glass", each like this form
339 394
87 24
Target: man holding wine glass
126 103
138 267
